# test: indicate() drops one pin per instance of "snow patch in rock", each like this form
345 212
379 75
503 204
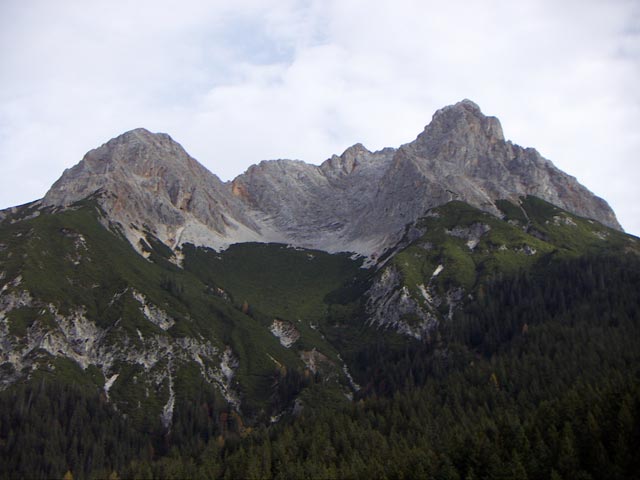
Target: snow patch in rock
424 293
224 377
347 374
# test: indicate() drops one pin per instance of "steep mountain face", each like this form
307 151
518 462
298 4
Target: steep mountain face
325 207
78 303
463 153
360 201
147 182
455 249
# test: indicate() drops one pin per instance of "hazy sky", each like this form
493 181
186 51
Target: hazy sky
236 82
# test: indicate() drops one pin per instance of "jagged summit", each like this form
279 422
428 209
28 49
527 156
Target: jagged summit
358 201
151 183
462 154
143 135
464 106
136 152
463 120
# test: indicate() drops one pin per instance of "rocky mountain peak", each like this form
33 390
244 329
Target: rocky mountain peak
359 201
462 154
135 155
144 153
149 182
135 160
462 124
347 162
355 150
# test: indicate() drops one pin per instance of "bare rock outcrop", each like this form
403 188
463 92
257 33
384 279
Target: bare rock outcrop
359 201
148 182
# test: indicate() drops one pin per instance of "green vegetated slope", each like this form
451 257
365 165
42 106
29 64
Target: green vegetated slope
274 281
70 260
322 295
536 375
472 246
540 379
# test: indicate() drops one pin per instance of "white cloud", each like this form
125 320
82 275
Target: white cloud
237 82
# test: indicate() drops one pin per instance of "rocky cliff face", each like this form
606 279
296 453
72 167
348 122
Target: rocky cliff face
463 154
147 182
360 201
320 207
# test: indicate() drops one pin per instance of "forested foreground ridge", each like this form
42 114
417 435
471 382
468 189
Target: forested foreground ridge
540 378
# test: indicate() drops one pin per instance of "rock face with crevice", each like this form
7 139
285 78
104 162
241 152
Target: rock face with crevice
360 201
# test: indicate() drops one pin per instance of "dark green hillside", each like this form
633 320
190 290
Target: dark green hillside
571 233
529 236
277 281
502 248
533 373
539 380
70 260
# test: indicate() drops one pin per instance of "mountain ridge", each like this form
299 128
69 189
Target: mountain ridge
359 201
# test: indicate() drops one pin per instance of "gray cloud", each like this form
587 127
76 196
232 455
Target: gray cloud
237 82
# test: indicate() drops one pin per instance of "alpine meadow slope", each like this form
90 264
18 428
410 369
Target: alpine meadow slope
456 307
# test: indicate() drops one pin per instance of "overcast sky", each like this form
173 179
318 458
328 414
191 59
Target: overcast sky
236 82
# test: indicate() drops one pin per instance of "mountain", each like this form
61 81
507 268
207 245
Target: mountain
358 202
443 307
148 181
361 201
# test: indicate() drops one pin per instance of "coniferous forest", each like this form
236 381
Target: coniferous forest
537 377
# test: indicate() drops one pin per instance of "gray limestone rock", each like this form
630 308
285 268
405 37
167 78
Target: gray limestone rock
360 201
148 182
